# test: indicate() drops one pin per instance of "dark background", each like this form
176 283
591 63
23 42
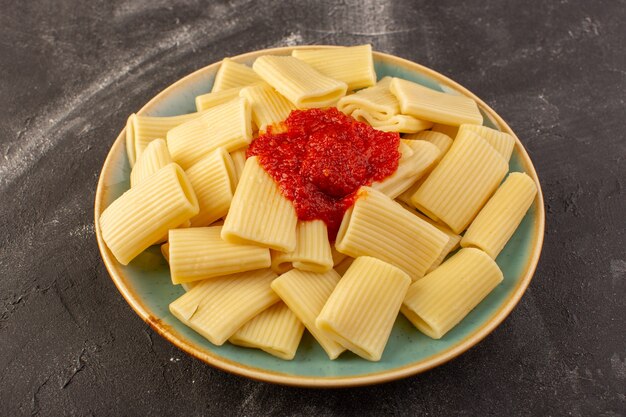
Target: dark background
72 71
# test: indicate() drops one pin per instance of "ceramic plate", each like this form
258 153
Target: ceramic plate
146 286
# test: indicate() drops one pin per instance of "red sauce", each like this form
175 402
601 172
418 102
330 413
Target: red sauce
320 158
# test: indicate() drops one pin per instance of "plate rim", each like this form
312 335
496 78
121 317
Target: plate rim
265 375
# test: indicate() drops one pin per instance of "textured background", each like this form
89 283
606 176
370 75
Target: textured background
72 71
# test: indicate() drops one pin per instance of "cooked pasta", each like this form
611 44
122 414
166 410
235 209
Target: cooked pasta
299 82
353 65
378 226
144 214
409 170
232 74
155 157
495 224
306 293
239 160
343 266
450 131
378 107
228 125
312 251
453 242
275 330
259 214
440 300
206 101
361 310
141 130
424 103
200 253
461 184
212 178
268 106
501 141
216 308
396 123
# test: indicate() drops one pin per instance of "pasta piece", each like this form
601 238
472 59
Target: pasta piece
228 125
233 75
353 65
212 178
259 214
452 244
200 253
155 157
305 293
396 123
409 170
501 141
423 103
275 330
361 310
268 106
216 308
296 80
378 107
206 101
377 101
143 214
378 226
343 266
461 184
495 224
451 131
239 160
312 251
440 300
141 130
440 140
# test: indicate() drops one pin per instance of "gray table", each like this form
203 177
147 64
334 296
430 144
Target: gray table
72 71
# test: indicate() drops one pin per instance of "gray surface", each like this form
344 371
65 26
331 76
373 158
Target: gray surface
71 72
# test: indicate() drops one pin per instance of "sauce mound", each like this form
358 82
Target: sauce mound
320 158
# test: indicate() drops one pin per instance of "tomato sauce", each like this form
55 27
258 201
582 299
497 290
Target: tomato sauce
320 158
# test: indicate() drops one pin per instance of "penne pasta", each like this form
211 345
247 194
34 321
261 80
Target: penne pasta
440 300
228 125
232 74
268 106
461 184
199 253
361 310
497 221
144 214
216 308
305 293
453 242
259 214
275 330
396 123
426 104
353 65
500 141
378 226
155 157
299 82
212 178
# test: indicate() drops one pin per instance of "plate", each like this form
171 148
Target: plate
146 286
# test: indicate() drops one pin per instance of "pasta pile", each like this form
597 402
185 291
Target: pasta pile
255 274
